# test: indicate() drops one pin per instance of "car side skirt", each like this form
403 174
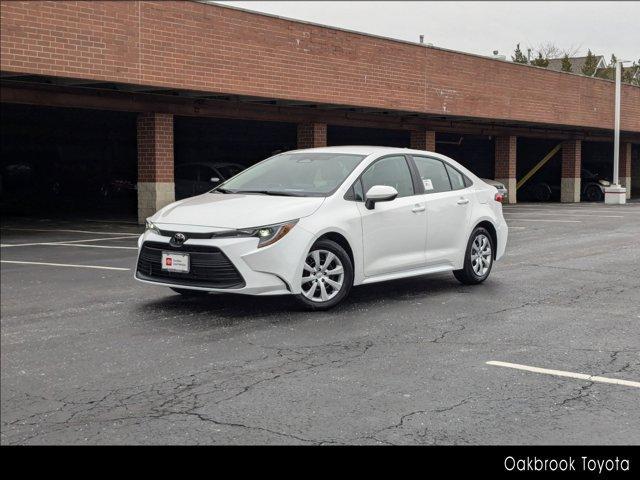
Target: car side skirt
408 273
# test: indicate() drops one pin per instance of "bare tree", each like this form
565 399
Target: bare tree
549 50
571 51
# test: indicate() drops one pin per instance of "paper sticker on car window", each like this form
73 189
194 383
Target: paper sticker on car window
427 184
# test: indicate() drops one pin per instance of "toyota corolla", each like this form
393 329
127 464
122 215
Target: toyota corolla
313 223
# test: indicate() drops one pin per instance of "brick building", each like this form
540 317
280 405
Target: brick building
271 83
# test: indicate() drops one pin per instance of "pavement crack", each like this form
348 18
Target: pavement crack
581 394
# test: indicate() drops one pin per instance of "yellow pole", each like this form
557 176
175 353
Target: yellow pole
539 165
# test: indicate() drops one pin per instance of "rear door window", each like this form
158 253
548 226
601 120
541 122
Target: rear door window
433 174
457 179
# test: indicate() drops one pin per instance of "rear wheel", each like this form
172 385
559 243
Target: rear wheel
327 276
478 258
189 293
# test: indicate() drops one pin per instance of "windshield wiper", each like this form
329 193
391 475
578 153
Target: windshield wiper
222 190
271 192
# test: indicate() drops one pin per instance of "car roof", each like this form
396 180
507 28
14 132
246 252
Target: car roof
360 150
368 150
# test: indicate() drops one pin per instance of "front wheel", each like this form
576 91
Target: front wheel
478 258
327 276
593 194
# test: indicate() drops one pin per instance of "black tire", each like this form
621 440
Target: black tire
467 275
347 279
543 192
189 293
593 194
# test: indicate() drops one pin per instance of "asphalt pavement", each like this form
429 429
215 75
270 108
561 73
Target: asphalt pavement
89 356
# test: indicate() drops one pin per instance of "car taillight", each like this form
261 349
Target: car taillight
498 197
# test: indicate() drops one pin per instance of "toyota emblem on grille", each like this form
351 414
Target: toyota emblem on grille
178 239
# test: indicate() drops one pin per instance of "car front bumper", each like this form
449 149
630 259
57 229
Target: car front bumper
272 270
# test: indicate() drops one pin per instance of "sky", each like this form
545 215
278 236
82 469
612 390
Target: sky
480 27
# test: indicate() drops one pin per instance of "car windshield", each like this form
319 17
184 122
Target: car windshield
295 174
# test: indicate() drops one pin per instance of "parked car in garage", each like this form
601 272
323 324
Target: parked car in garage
194 178
592 187
313 223
118 188
499 185
539 192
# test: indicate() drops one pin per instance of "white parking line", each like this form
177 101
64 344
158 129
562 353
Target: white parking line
88 246
560 211
111 221
99 267
564 214
634 211
69 231
543 220
564 205
561 373
571 206
84 240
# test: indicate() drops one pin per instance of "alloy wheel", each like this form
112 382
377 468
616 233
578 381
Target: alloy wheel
322 276
481 255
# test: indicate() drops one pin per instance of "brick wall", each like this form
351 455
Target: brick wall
212 48
423 140
155 147
571 158
311 135
624 164
505 157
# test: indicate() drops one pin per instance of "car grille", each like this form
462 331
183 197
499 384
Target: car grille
209 267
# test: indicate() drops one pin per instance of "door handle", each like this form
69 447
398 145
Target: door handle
418 208
463 201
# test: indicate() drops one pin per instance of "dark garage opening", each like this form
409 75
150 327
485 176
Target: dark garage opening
544 185
635 171
67 162
339 135
213 148
475 152
597 158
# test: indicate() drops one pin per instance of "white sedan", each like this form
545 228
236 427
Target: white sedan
313 223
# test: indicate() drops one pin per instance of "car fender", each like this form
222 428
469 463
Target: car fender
484 212
345 222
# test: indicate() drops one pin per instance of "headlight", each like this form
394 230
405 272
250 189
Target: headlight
150 226
270 234
604 183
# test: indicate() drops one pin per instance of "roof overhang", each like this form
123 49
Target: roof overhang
82 93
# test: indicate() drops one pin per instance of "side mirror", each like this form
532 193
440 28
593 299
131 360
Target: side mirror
379 193
215 180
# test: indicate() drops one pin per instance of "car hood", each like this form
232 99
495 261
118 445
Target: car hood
235 210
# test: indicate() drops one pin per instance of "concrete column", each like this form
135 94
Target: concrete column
625 167
571 162
423 140
312 135
505 165
156 187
